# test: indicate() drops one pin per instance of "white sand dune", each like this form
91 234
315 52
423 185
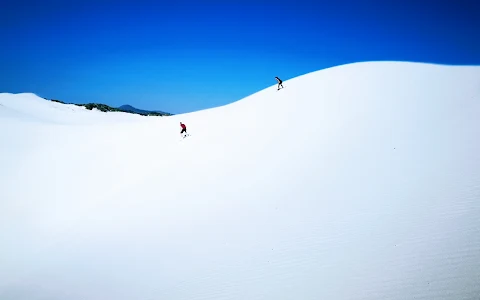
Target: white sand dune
355 182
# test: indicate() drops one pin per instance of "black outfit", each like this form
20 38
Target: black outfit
279 82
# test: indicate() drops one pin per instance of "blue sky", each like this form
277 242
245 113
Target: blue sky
181 56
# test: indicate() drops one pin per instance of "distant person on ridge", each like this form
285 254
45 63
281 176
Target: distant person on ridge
279 82
184 129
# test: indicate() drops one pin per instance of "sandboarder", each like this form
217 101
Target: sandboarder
279 82
184 129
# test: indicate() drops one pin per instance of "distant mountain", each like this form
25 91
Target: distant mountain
124 108
131 109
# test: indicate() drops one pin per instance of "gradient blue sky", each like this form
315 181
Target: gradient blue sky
181 56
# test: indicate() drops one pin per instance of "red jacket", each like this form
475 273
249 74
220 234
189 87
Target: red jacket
183 126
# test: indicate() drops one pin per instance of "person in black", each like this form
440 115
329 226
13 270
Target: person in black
279 82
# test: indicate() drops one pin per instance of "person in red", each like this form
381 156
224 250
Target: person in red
184 129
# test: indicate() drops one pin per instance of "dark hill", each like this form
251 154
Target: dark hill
124 108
